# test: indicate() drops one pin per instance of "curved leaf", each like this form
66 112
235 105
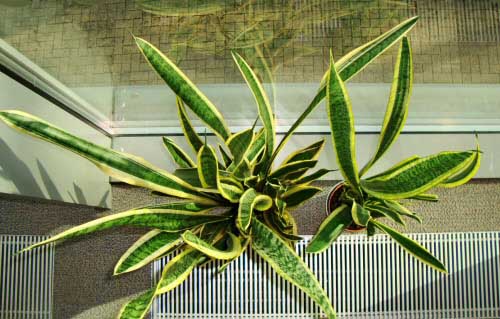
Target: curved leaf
256 147
396 167
166 219
330 229
184 88
288 264
412 247
299 194
290 168
125 167
233 250
418 176
229 190
466 174
192 137
249 201
310 152
401 210
178 155
387 212
265 110
360 215
312 177
152 245
348 66
342 125
138 307
239 143
208 170
397 107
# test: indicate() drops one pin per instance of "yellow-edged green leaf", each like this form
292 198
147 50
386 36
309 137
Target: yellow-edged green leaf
312 177
125 167
265 110
411 246
386 211
288 264
359 214
290 168
178 155
243 170
138 307
169 218
397 107
348 66
256 147
249 201
192 137
299 194
395 167
342 126
426 197
189 175
401 210
330 229
184 88
466 174
233 250
152 245
239 143
225 157
208 170
418 176
229 190
310 152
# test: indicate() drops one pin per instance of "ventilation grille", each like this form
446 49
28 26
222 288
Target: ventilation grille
26 280
364 278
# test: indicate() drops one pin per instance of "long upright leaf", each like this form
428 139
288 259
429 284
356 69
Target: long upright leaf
125 167
397 107
149 247
208 170
184 88
411 246
330 229
178 155
265 110
288 264
342 125
350 65
192 137
170 220
256 147
418 176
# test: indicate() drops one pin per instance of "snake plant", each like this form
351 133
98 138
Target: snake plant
232 198
364 200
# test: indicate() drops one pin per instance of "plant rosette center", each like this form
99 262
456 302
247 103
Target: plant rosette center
340 195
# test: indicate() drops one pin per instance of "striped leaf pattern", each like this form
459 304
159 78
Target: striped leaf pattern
330 229
177 154
233 250
191 136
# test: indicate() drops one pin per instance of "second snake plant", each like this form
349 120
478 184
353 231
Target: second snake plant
363 201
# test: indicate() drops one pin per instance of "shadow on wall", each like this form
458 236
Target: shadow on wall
13 169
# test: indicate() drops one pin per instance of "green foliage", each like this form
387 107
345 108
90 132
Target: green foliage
255 200
363 201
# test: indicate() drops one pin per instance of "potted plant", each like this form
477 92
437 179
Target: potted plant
360 202
230 201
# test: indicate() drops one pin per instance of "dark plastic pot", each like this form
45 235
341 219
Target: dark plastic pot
333 201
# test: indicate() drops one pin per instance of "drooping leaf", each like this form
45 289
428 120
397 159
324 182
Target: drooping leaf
233 250
152 245
265 110
249 201
312 177
299 194
208 170
418 176
178 155
401 210
288 264
342 126
192 137
239 143
310 152
285 170
397 107
465 174
386 211
349 65
330 229
360 215
125 167
138 307
166 219
411 246
184 88
426 197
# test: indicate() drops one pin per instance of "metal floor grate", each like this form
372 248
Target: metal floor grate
26 280
365 278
